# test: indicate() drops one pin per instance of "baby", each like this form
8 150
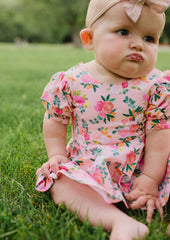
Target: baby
119 105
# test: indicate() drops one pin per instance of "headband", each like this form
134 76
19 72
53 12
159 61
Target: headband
133 8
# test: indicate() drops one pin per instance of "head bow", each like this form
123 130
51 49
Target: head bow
133 8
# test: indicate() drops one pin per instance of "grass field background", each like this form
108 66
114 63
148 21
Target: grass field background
25 213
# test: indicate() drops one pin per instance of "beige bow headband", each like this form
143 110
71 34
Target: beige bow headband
133 8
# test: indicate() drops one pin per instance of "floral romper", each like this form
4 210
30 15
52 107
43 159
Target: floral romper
106 150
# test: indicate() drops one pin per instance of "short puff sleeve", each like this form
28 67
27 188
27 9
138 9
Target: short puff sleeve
158 112
57 99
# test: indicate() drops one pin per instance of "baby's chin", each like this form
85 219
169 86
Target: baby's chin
134 75
135 71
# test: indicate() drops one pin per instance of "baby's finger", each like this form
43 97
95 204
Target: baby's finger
139 202
133 195
159 208
54 166
45 169
63 159
150 209
38 172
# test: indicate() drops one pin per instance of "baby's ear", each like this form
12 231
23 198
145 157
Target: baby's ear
86 38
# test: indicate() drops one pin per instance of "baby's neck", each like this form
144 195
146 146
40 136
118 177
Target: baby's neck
103 75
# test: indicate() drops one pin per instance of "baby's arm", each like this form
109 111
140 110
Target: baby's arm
55 140
145 187
156 154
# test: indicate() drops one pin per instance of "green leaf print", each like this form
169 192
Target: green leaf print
133 113
96 151
139 109
136 88
155 122
157 97
103 98
94 121
48 105
56 101
82 109
107 98
95 87
128 168
78 162
77 93
130 102
84 124
137 151
127 140
90 85
110 116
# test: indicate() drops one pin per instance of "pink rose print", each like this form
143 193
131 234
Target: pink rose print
105 108
125 120
57 110
131 157
108 107
79 99
124 84
86 78
168 77
146 97
123 133
134 128
99 106
46 96
74 152
97 176
86 136
126 187
84 133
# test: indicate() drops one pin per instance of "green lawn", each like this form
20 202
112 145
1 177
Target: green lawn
25 213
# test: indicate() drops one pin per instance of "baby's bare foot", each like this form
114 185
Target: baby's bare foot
168 230
128 229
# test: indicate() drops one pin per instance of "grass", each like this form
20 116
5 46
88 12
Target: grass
25 213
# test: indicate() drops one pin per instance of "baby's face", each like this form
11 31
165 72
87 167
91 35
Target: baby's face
125 48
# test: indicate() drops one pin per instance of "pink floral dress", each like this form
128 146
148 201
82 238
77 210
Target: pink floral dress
108 128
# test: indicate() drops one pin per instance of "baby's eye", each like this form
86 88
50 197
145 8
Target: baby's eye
123 32
149 39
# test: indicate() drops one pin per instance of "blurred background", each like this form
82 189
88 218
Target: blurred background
48 21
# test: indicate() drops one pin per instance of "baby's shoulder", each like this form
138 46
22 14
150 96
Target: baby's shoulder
75 73
69 77
158 80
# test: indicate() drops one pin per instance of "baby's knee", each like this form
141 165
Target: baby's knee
60 190
56 193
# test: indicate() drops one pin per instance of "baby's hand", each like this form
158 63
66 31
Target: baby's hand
51 165
145 193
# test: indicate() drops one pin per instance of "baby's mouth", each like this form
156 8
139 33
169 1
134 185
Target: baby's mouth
135 57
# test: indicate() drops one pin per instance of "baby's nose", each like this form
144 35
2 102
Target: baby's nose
136 43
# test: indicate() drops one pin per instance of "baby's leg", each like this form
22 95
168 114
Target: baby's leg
81 198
